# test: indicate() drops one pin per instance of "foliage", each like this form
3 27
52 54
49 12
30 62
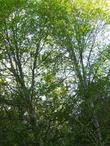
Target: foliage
54 73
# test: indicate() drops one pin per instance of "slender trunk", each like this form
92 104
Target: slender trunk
98 131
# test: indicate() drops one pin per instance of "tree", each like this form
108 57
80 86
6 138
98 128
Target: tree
54 73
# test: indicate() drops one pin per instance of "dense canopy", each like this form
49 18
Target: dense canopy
54 73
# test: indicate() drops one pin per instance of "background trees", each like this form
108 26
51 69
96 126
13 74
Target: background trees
54 73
